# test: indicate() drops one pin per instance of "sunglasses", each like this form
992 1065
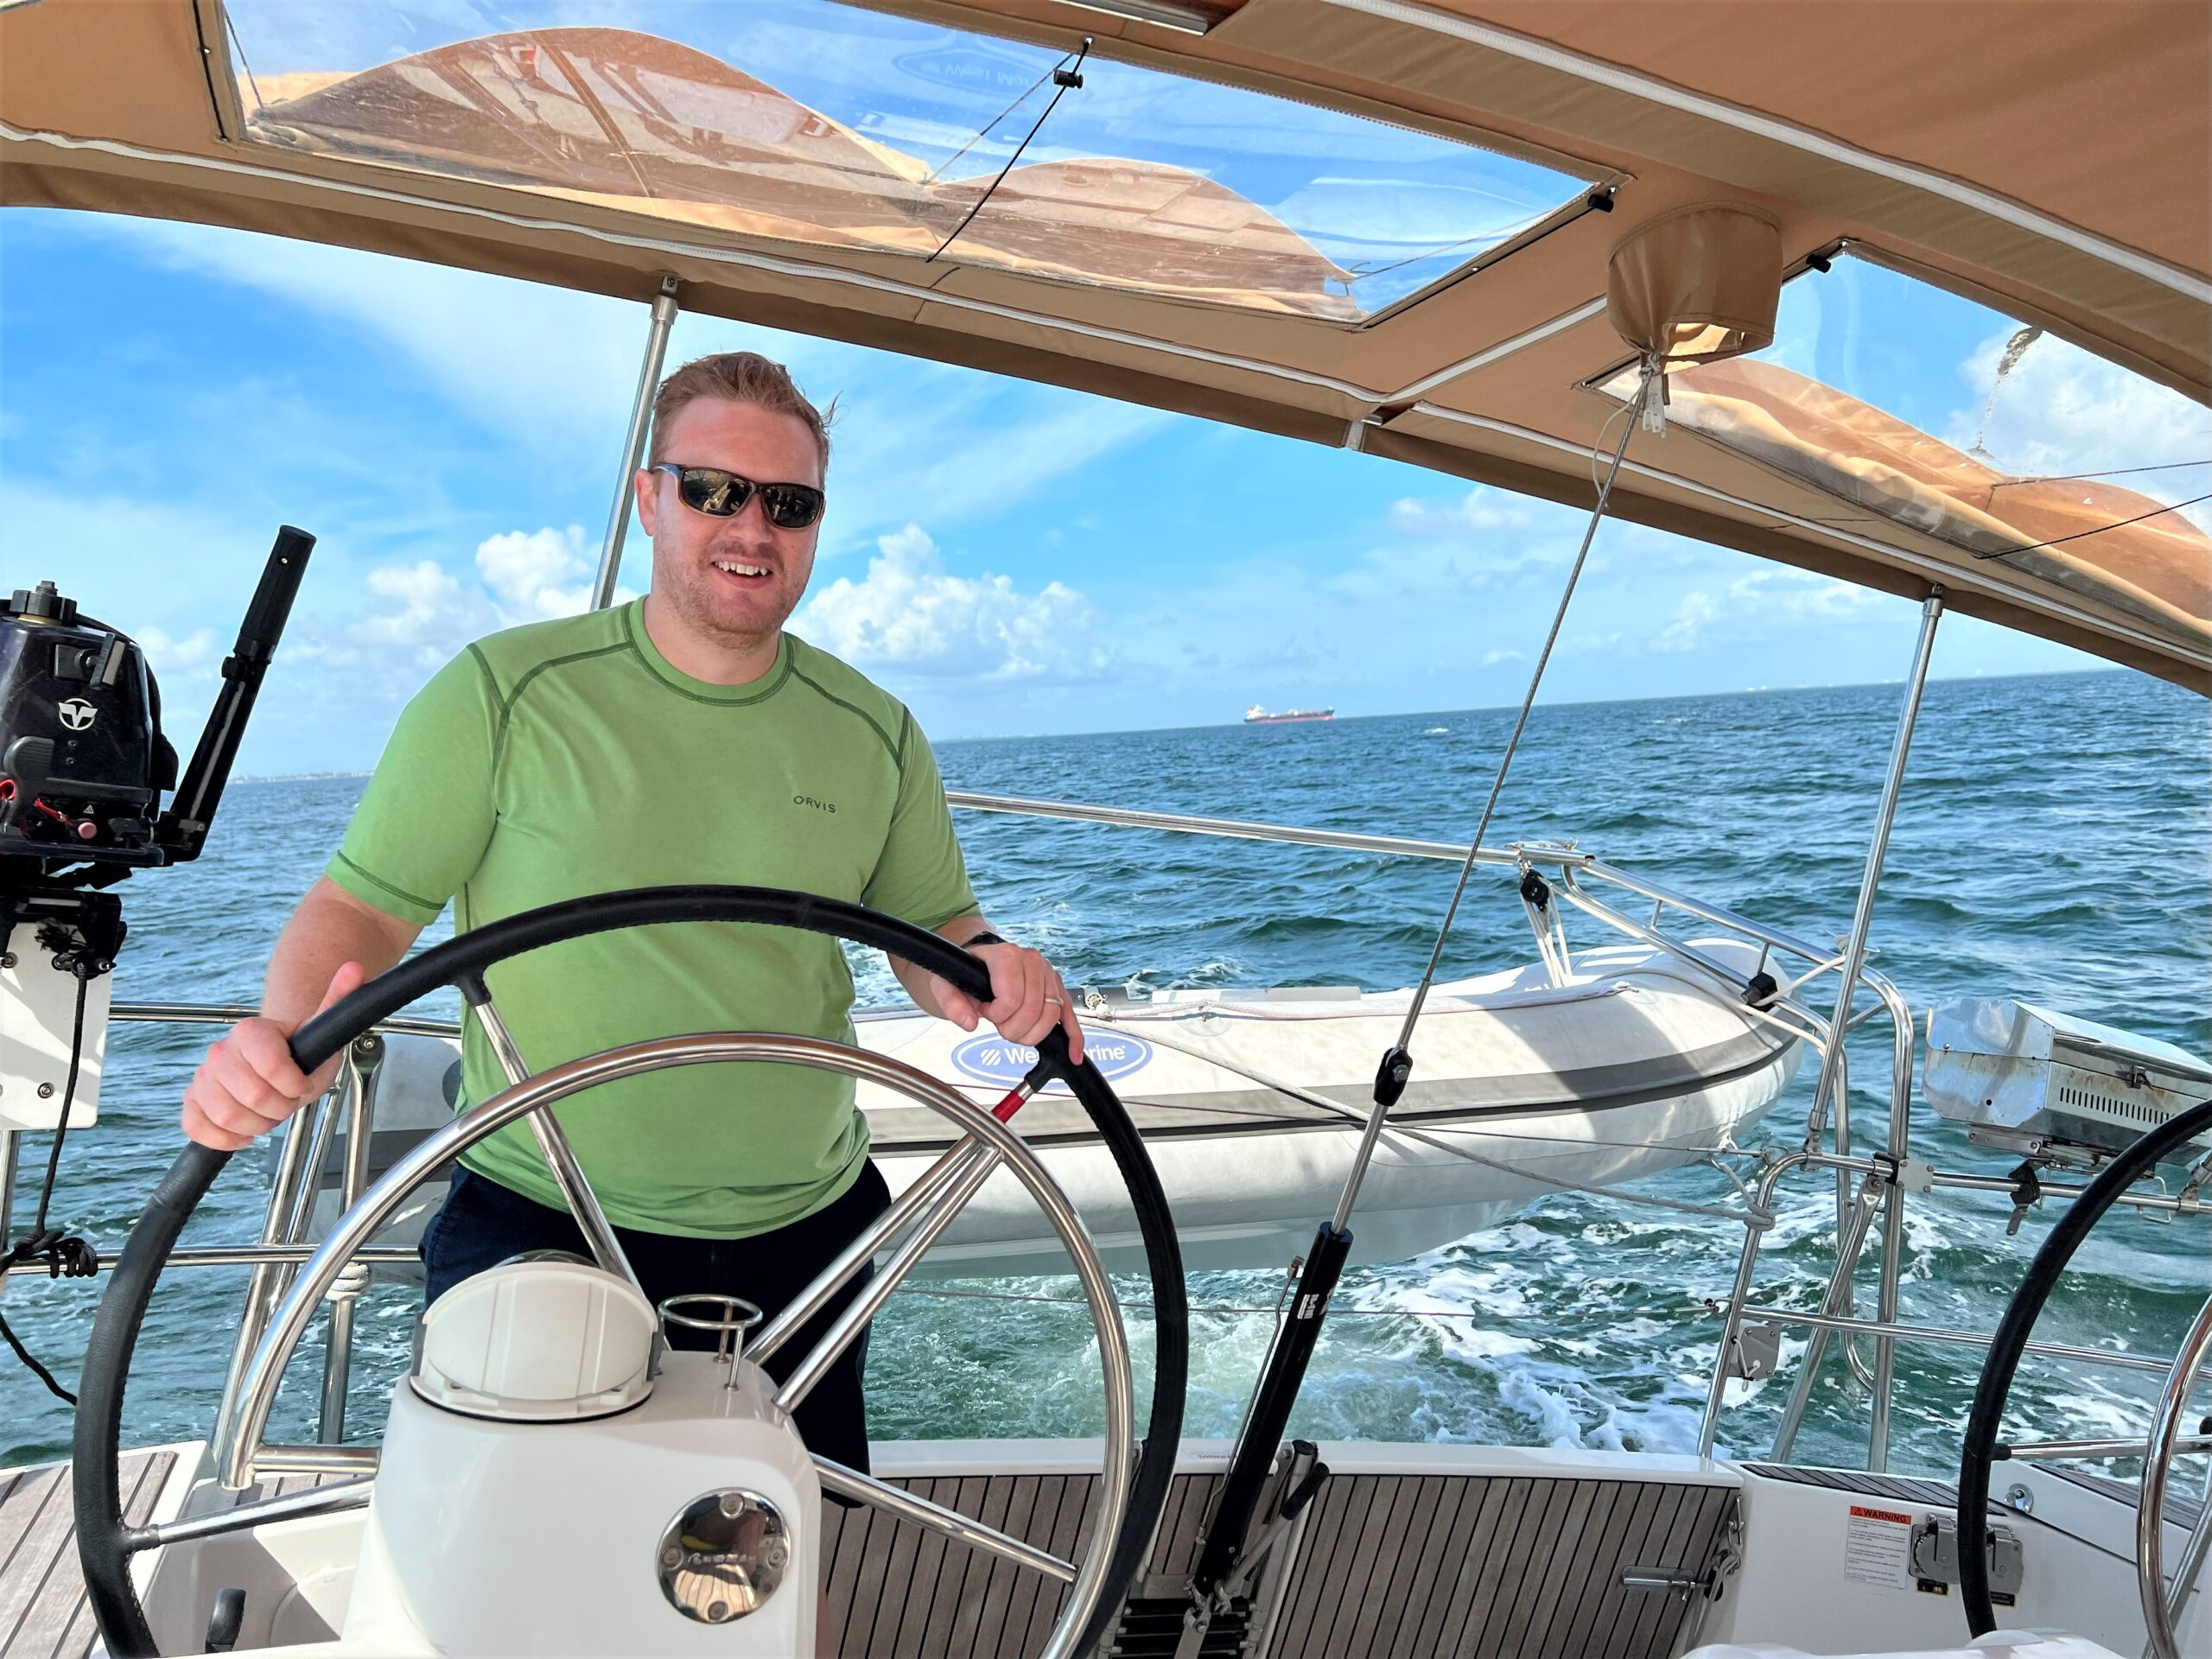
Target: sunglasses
720 494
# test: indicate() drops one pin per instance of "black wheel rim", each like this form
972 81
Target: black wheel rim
105 1542
1979 1449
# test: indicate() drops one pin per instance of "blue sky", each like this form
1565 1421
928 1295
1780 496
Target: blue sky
1009 558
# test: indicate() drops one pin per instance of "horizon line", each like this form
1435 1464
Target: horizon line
1581 702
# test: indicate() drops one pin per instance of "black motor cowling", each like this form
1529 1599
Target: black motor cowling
83 762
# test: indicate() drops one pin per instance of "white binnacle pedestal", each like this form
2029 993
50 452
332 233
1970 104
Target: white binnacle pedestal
687 1524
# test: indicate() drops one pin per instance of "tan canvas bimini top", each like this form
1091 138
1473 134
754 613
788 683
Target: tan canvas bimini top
1387 224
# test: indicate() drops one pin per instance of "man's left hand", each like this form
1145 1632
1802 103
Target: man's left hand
1027 999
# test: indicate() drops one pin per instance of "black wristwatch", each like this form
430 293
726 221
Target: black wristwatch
985 937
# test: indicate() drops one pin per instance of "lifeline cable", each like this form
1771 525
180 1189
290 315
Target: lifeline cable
72 1256
2079 535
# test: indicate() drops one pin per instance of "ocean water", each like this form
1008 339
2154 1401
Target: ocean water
2055 844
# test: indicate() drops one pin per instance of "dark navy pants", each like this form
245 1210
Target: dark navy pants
483 1223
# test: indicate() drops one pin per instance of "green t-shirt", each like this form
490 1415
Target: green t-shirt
568 758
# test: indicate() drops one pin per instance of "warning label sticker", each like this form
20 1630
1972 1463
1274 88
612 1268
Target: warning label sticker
1877 1547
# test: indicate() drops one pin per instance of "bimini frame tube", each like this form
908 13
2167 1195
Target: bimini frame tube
1854 960
634 446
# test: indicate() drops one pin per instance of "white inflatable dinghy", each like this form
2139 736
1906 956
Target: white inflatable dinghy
1638 1064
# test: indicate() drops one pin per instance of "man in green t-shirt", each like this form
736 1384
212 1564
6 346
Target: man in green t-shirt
682 738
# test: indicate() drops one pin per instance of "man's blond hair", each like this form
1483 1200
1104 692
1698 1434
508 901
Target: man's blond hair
738 378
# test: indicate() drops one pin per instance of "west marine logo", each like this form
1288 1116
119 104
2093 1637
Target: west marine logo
970 69
78 714
992 1058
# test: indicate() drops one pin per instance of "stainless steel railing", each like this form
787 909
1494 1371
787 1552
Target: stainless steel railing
310 1134
1881 1181
1580 879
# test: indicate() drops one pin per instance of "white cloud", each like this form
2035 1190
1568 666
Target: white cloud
527 570
1762 602
2062 410
172 655
1492 658
1781 595
1696 609
1487 540
419 608
908 614
428 613
1481 508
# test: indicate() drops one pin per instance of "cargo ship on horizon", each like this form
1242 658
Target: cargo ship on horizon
1255 716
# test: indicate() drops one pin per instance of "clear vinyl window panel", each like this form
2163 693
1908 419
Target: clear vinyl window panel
828 125
1914 406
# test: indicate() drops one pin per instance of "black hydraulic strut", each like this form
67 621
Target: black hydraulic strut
1266 1423
1270 1415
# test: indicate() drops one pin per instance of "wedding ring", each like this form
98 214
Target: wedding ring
1056 1001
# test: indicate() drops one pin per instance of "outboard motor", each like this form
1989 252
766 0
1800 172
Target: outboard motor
84 764
83 760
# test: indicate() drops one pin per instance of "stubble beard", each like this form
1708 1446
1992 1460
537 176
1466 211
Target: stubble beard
695 606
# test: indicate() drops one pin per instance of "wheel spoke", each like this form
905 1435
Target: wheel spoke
917 1220
316 1500
950 1523
885 1227
552 1141
962 1186
2047 1451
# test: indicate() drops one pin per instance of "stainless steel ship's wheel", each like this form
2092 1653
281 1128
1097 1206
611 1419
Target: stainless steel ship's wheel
1979 1448
1135 1478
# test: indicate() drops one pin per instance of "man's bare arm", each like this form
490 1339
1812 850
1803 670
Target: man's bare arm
1027 999
248 1085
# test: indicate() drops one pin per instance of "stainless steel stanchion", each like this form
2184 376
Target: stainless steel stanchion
633 444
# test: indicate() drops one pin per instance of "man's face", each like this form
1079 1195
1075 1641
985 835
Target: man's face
735 580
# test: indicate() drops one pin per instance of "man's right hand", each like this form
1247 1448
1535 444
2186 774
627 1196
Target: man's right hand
248 1085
